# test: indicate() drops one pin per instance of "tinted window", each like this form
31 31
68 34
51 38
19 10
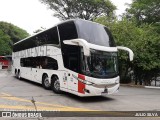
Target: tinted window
47 37
67 31
52 36
39 62
111 40
29 43
41 39
94 33
50 63
26 62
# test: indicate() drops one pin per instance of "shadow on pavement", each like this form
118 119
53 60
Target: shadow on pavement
29 81
89 99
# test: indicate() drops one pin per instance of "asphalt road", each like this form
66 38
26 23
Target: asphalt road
19 95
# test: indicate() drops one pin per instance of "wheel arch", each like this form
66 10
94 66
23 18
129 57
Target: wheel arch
54 76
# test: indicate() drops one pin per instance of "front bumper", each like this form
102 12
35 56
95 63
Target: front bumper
100 90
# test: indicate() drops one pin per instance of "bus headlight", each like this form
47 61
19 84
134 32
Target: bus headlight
88 83
81 78
85 81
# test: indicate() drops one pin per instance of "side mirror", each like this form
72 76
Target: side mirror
131 54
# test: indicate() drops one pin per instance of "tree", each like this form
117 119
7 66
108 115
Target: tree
13 31
147 11
84 9
5 47
144 40
9 34
39 30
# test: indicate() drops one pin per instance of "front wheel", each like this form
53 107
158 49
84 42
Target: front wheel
55 85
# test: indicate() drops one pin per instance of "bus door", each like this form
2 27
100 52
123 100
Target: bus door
74 67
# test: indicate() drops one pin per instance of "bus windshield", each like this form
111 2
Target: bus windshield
100 64
94 33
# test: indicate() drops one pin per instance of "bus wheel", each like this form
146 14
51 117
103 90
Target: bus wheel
16 73
55 84
19 75
45 82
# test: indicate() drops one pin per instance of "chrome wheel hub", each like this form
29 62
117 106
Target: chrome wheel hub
46 82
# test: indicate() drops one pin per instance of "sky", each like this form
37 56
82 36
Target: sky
31 15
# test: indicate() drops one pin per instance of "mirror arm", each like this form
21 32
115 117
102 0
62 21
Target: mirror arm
131 54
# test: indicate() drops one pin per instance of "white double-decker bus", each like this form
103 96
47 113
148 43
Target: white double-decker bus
75 56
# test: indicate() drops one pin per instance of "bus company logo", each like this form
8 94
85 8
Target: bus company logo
33 52
6 114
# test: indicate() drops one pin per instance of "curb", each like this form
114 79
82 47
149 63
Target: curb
129 85
152 87
140 86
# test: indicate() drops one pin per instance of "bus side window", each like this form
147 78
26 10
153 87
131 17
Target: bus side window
21 62
49 63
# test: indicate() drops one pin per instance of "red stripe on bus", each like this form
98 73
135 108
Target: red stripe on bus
81 86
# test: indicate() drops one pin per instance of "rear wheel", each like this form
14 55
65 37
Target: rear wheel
19 75
45 82
16 74
55 85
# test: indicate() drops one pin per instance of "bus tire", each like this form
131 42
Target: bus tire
45 82
55 85
16 73
19 75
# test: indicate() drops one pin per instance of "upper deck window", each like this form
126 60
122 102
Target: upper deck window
47 37
67 31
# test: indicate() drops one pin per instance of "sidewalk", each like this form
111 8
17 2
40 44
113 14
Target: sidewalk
140 86
132 85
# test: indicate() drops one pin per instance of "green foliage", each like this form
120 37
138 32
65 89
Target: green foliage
5 48
9 34
39 30
14 32
147 11
84 9
143 40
